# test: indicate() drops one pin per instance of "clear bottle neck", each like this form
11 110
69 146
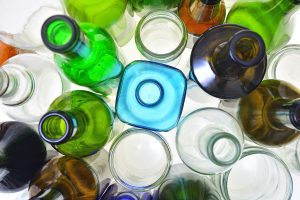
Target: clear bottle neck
16 85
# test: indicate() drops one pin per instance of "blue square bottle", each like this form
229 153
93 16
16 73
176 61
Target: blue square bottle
151 95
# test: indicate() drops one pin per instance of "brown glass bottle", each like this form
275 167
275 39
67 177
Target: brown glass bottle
270 115
64 178
200 15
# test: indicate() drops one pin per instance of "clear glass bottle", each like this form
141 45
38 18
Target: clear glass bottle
78 123
268 18
64 178
270 114
142 7
228 61
22 154
200 15
28 85
111 15
209 141
161 36
139 159
284 65
86 54
151 95
21 22
258 175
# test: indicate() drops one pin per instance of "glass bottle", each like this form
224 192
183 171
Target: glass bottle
183 184
284 65
228 61
111 15
151 95
7 51
268 18
157 28
209 141
22 154
28 85
270 114
78 123
142 7
86 54
64 178
21 22
201 15
139 159
258 175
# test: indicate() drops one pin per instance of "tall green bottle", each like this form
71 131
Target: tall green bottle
268 18
78 124
86 54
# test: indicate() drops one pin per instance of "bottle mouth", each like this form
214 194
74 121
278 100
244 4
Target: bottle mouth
149 93
3 82
247 48
60 33
56 127
295 113
157 28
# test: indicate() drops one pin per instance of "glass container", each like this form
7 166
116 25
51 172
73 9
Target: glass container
209 141
258 175
28 85
161 36
139 159
86 54
151 95
7 51
228 61
284 65
78 123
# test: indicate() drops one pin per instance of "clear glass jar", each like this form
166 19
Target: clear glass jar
161 36
209 141
258 175
284 65
139 159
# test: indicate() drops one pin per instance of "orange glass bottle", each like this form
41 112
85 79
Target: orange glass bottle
200 15
6 52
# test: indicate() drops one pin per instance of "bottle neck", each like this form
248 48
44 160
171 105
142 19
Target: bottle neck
203 10
58 127
49 194
285 113
246 49
219 147
16 85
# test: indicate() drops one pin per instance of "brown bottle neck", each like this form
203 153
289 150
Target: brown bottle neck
49 194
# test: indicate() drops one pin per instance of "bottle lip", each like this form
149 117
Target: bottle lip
70 128
73 40
295 113
164 57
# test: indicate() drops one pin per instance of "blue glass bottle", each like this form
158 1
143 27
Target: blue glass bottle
151 95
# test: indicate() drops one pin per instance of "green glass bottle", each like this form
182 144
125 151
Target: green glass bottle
78 124
142 7
86 54
268 18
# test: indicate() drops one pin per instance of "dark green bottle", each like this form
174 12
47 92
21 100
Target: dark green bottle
22 154
268 18
86 54
78 123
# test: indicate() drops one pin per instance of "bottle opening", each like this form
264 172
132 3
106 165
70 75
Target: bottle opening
60 33
149 92
56 127
224 149
247 48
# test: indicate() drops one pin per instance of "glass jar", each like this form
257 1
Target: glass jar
258 175
209 141
139 159
161 36
284 65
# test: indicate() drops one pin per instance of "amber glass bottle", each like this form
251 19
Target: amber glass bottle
64 178
200 15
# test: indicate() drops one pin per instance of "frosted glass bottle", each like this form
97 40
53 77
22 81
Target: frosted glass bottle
28 85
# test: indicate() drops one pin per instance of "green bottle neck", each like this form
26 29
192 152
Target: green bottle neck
62 35
49 194
58 127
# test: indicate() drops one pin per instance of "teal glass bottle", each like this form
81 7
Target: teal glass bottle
85 53
78 124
